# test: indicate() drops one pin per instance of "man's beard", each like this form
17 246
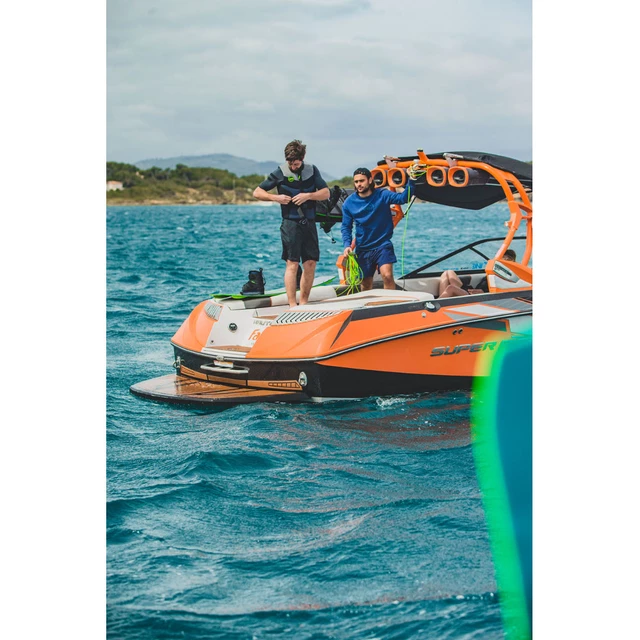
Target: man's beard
298 170
366 188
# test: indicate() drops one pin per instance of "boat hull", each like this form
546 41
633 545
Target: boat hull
410 348
311 379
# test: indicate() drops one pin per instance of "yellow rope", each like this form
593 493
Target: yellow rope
353 274
416 170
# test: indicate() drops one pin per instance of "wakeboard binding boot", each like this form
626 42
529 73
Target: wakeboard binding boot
255 284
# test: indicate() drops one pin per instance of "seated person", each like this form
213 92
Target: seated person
451 285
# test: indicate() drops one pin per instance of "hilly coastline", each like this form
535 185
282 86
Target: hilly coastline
234 164
129 184
167 181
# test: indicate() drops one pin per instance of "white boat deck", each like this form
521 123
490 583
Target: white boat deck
326 298
324 302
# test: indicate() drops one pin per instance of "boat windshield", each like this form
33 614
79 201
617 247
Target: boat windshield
471 257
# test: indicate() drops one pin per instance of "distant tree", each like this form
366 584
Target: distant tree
122 172
345 183
156 173
252 180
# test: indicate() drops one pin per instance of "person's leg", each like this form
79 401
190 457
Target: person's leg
443 284
291 242
366 262
290 278
447 278
386 271
452 291
306 282
367 284
385 258
310 254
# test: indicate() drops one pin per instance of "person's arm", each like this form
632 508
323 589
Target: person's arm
321 193
261 194
346 228
398 198
261 191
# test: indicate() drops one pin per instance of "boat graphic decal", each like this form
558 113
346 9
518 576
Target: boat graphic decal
213 310
492 325
459 348
456 316
342 328
489 309
293 317
482 310
513 304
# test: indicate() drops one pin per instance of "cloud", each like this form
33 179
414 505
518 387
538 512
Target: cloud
352 79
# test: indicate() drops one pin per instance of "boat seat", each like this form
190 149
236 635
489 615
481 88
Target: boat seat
425 285
432 284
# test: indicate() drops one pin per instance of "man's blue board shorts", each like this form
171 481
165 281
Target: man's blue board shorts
374 258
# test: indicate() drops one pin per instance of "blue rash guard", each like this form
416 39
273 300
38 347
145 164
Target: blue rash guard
372 215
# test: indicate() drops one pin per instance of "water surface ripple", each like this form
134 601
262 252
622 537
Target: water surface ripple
357 519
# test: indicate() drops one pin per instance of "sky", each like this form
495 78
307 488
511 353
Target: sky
353 79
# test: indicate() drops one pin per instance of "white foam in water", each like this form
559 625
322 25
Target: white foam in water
346 526
160 356
383 403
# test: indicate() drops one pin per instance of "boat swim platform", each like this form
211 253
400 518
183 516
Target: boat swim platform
178 389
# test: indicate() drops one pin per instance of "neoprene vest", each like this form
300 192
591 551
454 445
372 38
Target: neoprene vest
294 183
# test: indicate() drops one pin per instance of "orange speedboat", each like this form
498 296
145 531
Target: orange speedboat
343 344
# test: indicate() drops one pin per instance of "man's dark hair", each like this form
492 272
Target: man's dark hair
295 150
510 254
363 171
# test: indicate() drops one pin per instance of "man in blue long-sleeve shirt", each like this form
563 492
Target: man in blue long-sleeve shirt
370 209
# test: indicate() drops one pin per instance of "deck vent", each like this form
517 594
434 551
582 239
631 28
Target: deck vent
293 317
213 310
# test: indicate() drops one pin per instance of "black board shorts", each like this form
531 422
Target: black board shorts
299 241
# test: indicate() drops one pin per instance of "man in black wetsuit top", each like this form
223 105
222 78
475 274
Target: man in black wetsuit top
299 187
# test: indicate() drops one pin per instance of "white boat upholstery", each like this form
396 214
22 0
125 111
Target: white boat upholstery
426 285
432 284
369 298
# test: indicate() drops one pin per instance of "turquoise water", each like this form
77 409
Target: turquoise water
358 519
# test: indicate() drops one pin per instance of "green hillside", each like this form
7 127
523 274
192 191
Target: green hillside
183 185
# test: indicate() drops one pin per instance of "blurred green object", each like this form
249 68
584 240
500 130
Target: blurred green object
501 414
